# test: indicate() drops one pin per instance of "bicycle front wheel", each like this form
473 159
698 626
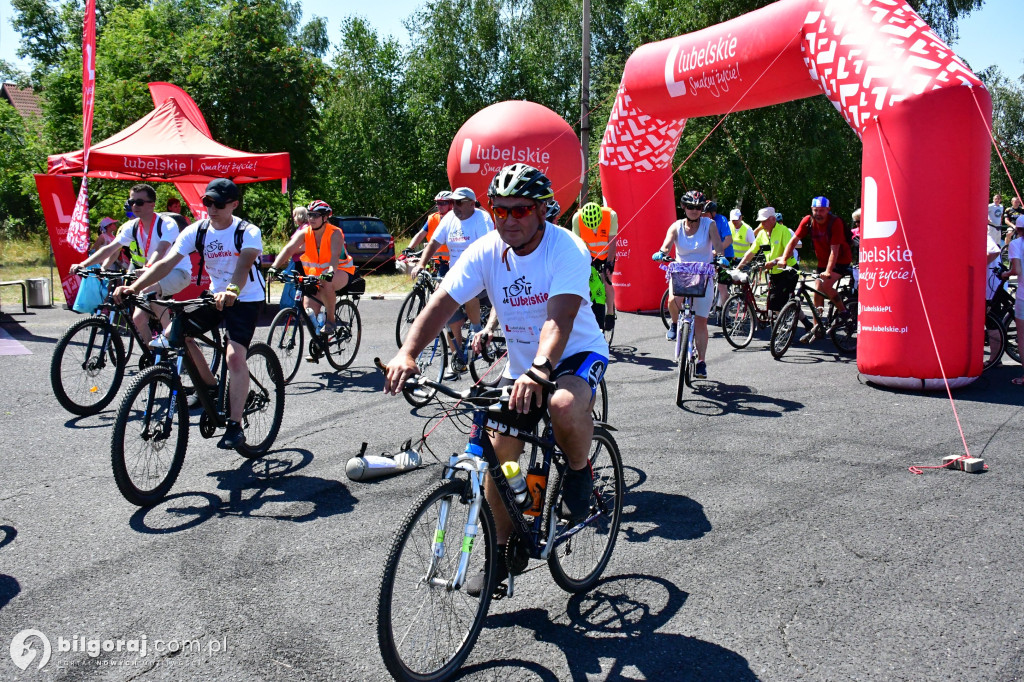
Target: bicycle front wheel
150 436
738 321
425 627
432 362
684 361
487 367
264 406
577 562
287 339
666 316
411 307
343 345
784 329
87 366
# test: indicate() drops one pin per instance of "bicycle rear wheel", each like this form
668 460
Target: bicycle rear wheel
264 406
844 333
994 341
600 409
87 366
426 629
784 329
411 307
147 447
287 339
577 562
684 362
343 345
432 362
1010 326
738 321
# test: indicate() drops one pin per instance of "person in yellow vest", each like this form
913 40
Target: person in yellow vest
444 203
742 234
598 227
321 246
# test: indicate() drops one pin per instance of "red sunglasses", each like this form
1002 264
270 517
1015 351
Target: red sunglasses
517 212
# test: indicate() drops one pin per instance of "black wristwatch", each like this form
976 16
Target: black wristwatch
542 362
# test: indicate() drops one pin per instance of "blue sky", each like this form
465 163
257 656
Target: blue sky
991 35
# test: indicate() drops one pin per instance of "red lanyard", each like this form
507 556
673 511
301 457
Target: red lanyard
149 240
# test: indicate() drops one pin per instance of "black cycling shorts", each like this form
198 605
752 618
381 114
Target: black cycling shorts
840 270
239 322
588 366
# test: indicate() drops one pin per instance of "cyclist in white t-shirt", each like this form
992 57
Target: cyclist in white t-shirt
538 280
148 237
228 248
1016 250
459 228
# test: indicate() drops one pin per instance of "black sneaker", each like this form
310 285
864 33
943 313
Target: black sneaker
700 371
609 323
475 585
233 436
577 489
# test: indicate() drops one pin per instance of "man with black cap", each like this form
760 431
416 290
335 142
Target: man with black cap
228 249
462 226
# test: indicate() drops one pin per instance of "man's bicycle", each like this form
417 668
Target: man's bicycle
688 280
426 622
843 332
287 334
91 357
422 289
147 448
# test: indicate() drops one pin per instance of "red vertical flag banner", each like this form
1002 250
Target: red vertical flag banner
78 231
57 196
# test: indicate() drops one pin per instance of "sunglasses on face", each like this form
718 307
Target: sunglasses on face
517 212
208 202
138 202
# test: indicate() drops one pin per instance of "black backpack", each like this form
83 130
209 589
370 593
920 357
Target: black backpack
254 272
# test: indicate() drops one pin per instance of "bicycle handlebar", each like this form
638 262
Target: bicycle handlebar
476 395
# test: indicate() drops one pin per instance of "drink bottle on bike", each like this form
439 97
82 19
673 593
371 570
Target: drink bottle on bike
514 476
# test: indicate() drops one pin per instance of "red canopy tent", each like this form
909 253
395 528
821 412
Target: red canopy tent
164 146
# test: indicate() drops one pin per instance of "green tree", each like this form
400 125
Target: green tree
21 155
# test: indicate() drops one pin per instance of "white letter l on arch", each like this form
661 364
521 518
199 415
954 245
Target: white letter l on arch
871 227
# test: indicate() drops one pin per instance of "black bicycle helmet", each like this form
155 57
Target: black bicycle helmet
554 210
520 180
693 199
711 207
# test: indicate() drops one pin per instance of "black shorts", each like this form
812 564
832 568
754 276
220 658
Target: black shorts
840 270
239 322
588 366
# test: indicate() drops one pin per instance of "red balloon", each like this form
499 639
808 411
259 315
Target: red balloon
517 132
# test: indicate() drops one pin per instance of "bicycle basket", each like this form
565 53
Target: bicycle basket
689 279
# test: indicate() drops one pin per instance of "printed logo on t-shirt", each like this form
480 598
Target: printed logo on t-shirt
518 294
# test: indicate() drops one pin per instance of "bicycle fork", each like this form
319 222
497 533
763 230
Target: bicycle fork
476 468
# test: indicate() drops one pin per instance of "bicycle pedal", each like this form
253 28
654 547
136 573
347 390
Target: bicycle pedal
500 592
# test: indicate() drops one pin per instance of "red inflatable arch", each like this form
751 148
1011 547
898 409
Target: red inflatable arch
921 115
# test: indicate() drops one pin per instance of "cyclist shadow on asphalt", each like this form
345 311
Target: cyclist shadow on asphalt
713 399
337 381
266 488
9 587
613 632
649 514
631 355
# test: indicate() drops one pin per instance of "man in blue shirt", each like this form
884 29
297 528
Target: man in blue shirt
711 210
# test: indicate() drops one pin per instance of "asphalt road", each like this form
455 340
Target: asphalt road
771 531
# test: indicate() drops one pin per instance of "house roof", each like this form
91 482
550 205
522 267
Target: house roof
24 100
